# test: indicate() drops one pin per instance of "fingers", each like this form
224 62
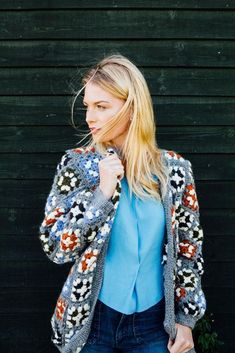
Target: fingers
111 156
170 344
110 152
114 162
121 176
181 344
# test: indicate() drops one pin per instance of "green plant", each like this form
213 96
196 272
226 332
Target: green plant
205 338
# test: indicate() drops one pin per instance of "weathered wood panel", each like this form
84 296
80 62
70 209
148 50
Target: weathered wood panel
117 24
39 274
28 193
114 4
169 110
207 166
33 330
25 222
27 247
168 81
160 52
184 139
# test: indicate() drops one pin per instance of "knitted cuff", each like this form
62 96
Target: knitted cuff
186 320
101 201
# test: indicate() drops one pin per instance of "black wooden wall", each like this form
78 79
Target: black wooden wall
186 50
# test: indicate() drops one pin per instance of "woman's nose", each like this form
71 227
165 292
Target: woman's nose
90 116
90 121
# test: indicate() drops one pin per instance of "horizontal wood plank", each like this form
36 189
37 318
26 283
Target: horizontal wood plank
33 330
24 301
144 53
23 222
116 24
116 4
163 82
199 139
28 248
206 166
48 274
29 194
56 110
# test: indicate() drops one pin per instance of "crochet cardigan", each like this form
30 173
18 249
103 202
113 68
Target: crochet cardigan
76 228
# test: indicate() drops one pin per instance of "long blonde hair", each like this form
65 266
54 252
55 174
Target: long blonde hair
141 156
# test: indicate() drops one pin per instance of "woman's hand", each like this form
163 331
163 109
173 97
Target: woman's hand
110 168
183 341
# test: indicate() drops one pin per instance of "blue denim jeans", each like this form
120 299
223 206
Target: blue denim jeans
115 332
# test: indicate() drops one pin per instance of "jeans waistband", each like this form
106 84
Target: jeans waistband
159 305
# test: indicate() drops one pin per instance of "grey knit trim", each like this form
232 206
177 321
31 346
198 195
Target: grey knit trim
169 320
99 200
182 319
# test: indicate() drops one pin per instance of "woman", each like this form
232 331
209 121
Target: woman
127 213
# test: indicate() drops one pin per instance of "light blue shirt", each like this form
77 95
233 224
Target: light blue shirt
133 273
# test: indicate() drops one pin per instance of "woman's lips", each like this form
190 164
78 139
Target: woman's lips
94 130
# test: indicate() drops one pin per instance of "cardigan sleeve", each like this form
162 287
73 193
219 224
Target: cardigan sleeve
73 213
189 296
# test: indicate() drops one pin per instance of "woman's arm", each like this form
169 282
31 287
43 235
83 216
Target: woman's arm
190 299
73 213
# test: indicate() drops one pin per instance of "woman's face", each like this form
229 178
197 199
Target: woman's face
101 106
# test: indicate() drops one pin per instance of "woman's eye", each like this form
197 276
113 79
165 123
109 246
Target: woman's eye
98 106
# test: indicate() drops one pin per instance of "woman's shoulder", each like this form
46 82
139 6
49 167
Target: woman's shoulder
81 160
73 156
174 156
78 152
88 152
81 150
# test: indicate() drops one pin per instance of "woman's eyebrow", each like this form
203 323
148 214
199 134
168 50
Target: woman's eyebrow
97 102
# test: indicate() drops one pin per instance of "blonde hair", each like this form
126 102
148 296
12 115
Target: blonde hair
141 156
